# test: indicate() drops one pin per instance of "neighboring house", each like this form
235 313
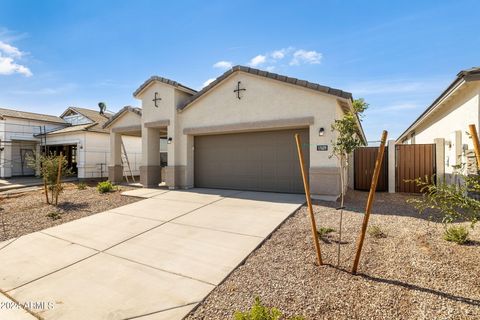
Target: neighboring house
445 122
236 133
18 139
78 134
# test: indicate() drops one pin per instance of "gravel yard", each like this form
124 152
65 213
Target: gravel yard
27 212
412 273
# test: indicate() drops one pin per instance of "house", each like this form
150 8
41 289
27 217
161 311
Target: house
77 133
236 133
445 123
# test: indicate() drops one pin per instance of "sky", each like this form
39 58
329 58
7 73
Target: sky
397 55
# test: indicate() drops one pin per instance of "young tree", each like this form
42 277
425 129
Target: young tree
455 201
52 168
346 140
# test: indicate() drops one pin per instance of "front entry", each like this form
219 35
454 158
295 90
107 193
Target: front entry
259 161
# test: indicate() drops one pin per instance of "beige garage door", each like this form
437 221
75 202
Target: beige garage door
261 161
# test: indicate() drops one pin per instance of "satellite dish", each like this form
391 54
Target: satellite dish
102 106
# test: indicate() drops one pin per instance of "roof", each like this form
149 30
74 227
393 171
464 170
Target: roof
97 119
135 110
94 115
163 80
472 74
30 116
77 128
269 75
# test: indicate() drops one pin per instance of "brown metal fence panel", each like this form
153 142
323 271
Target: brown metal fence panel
364 164
413 161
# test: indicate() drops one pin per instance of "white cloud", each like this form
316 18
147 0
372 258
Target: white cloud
305 57
8 66
223 64
7 63
281 53
278 54
10 50
207 82
257 60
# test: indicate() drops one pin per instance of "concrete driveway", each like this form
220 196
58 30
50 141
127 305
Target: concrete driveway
151 260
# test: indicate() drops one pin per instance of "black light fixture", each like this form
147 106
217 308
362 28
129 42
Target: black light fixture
321 132
169 140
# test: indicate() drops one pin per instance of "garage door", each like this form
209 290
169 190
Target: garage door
260 161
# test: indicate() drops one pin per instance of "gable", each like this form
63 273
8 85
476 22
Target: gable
263 99
75 118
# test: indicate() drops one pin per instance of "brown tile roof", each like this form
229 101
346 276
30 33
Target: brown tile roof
94 115
98 121
274 76
30 116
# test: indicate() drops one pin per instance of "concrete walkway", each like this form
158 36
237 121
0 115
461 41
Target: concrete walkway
154 259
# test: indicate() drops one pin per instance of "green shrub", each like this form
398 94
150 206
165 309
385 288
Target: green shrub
260 312
81 186
105 186
457 234
54 215
323 231
376 232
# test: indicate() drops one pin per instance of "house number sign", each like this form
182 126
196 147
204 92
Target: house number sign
322 147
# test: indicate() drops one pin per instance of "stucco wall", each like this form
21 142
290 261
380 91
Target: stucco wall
450 122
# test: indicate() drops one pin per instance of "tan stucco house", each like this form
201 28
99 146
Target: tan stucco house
236 133
445 122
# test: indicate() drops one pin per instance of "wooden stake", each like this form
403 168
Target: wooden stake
371 197
309 200
46 189
476 142
59 174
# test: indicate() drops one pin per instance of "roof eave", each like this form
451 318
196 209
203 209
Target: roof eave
144 86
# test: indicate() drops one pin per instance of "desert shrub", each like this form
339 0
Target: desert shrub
105 186
375 232
54 215
453 201
324 231
81 186
260 312
48 164
457 234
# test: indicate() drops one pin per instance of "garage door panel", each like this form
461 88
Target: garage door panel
263 161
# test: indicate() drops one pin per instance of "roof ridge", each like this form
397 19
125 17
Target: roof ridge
163 80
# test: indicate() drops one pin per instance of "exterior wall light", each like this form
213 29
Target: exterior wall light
169 140
321 132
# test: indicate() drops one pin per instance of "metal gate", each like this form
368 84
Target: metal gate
413 161
364 164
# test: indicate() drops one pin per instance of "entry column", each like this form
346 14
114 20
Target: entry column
150 171
115 169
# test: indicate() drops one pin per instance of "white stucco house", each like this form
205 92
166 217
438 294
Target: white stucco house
236 133
445 122
77 133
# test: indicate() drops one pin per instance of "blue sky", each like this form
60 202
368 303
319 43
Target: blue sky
397 55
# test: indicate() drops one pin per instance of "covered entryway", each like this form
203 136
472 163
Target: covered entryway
414 161
260 161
